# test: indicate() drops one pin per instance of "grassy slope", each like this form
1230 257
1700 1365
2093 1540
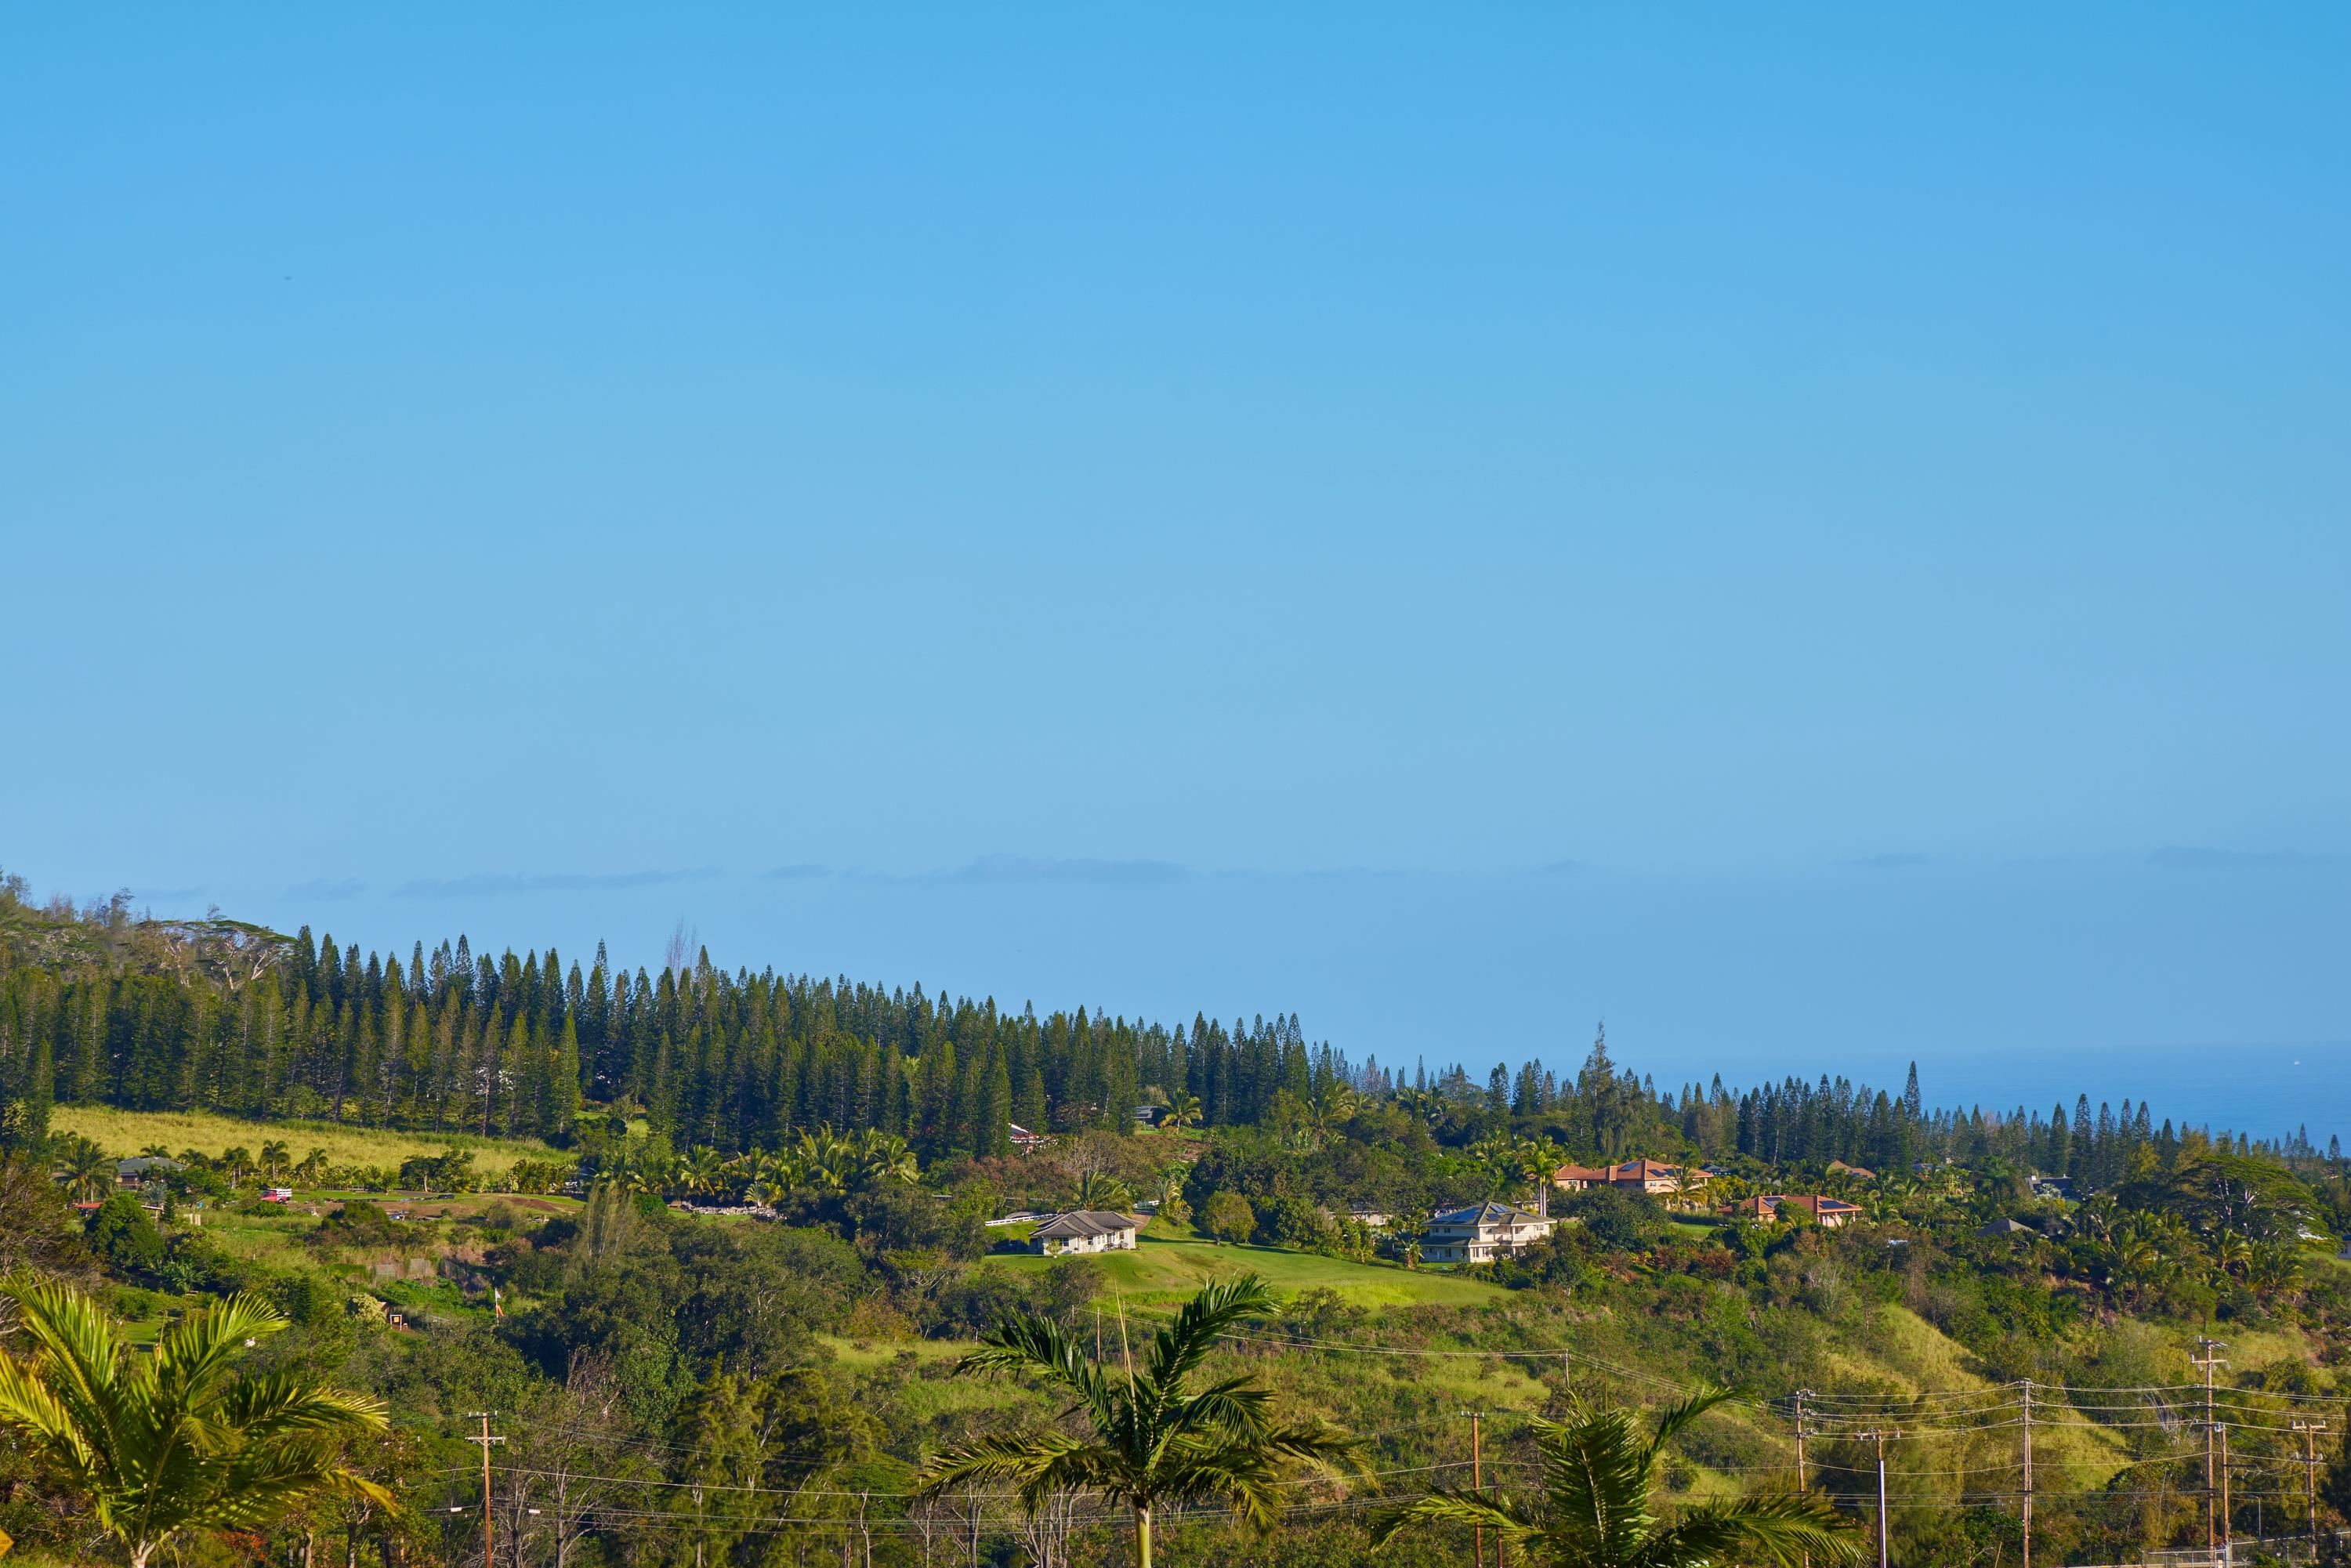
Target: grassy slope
125 1133
1174 1268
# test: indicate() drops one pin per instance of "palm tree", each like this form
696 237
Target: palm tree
1598 1472
885 1156
1183 1111
1100 1189
236 1158
1329 1111
86 1170
171 1442
1155 1442
705 1171
272 1154
1533 1160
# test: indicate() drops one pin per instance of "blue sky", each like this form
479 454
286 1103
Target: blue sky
1195 511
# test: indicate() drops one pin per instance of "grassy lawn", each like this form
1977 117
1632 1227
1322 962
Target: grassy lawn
124 1133
1174 1268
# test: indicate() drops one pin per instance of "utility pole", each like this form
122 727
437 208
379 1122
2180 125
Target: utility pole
1879 1438
2028 1473
2208 1357
1801 1394
489 1539
2228 1525
2310 1431
1477 1485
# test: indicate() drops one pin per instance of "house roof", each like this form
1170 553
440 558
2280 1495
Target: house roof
1078 1223
2008 1227
1486 1213
1642 1170
1861 1171
1818 1208
1580 1173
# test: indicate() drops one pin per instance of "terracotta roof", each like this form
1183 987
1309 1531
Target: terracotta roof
1580 1173
1642 1170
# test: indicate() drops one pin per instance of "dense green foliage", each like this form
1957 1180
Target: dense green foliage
735 1345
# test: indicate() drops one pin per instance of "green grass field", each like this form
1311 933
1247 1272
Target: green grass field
1174 1268
125 1133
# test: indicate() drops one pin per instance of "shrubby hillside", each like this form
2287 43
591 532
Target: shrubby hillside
717 1304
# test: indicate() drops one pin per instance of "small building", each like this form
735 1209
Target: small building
145 1168
1022 1138
1368 1214
1149 1115
1086 1230
1859 1173
1481 1232
2009 1230
1771 1207
2052 1185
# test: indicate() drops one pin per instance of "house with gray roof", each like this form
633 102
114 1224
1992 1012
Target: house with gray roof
1481 1232
1086 1230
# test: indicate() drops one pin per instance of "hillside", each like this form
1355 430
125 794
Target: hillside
125 1133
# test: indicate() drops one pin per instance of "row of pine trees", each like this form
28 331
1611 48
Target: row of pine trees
453 1042
450 1042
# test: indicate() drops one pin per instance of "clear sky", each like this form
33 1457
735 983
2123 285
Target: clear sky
1195 510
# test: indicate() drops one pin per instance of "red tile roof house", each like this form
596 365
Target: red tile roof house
1653 1176
1827 1212
1579 1179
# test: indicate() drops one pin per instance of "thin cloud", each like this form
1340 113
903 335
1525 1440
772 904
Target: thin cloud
321 889
801 872
2185 857
1893 862
999 869
483 885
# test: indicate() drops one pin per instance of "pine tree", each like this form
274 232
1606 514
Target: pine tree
563 1105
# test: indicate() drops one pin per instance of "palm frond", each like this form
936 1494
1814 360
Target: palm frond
1037 1461
1784 1529
193 1354
1178 1350
79 1356
1679 1417
1245 1476
28 1403
1446 1506
1234 1404
1028 1343
281 1404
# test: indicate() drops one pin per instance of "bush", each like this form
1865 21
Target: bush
122 1234
1288 1222
1227 1217
1617 1221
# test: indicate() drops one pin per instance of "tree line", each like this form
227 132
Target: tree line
97 1006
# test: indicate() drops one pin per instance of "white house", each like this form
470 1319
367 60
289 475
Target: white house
1481 1232
1086 1230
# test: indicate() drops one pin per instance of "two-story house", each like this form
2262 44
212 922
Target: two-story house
1481 1233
